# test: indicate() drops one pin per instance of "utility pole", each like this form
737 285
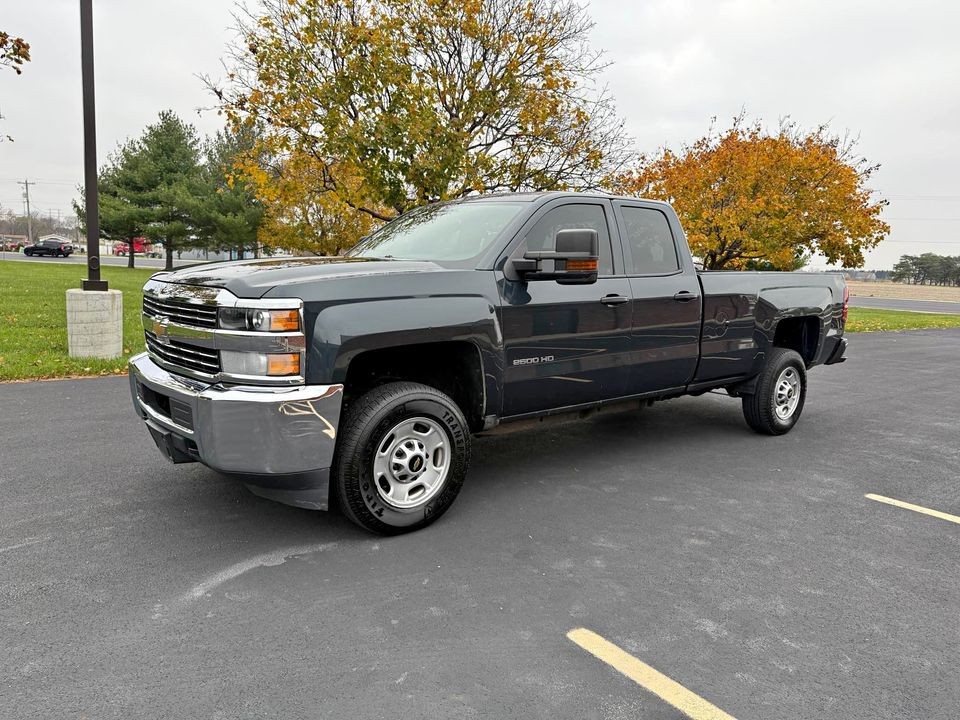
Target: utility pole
26 193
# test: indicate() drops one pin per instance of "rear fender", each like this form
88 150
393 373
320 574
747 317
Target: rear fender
777 304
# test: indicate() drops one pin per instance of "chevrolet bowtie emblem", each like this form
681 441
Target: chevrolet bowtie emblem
160 326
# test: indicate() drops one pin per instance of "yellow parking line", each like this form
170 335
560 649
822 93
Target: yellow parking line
915 508
670 691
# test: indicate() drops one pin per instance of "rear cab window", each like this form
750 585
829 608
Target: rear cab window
648 241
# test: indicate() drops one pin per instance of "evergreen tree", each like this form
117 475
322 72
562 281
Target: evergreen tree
230 214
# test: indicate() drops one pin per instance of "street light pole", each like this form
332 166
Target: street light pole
93 281
94 313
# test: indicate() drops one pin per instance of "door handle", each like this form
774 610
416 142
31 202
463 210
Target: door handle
684 296
614 300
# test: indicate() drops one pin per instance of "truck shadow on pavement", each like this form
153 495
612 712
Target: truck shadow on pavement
506 469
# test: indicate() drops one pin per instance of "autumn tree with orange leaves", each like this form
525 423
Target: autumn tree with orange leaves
750 199
14 52
371 107
300 212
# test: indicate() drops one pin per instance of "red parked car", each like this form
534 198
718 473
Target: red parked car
141 246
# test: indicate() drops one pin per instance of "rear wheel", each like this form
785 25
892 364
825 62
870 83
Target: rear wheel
778 401
402 457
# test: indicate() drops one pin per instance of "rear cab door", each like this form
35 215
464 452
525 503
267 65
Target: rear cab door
667 298
565 344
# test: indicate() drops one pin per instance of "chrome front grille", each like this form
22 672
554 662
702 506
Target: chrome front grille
182 333
178 311
192 357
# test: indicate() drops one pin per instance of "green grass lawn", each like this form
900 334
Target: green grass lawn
870 320
33 319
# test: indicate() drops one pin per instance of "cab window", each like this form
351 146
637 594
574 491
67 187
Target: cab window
652 248
578 216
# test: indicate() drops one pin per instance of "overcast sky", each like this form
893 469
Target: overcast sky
886 71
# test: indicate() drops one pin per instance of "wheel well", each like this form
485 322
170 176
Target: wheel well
801 334
451 367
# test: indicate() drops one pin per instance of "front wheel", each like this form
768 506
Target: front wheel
402 456
781 390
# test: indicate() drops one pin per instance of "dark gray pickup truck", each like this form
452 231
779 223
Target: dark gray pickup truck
362 378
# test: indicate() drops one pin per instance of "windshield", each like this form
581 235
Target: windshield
452 232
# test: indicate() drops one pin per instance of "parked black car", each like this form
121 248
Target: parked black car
53 248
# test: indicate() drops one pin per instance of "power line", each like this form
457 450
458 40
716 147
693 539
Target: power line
44 181
923 197
925 242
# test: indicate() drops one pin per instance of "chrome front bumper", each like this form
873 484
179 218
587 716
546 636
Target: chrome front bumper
240 429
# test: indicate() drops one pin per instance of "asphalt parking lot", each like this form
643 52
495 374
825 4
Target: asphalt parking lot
752 571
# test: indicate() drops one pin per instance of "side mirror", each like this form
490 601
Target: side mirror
575 259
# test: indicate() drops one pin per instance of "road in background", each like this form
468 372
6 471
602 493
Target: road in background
751 570
929 306
104 260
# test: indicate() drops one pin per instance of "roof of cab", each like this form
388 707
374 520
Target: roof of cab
543 196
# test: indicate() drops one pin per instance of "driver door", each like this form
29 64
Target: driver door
566 344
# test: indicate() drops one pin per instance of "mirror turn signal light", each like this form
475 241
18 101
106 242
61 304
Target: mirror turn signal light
283 364
582 265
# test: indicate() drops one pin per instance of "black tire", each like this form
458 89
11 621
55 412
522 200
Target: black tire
366 427
760 409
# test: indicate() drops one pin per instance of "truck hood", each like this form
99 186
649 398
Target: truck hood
253 278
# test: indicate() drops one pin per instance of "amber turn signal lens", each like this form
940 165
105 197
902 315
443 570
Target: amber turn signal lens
285 364
582 265
284 320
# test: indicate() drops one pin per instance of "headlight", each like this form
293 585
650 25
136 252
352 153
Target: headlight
235 318
252 363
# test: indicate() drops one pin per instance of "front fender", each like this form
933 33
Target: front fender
341 332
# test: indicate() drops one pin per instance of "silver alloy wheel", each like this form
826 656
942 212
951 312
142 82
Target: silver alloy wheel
788 393
411 463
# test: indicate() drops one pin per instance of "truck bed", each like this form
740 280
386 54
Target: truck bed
741 311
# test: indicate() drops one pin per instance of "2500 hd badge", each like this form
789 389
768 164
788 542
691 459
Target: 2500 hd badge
533 360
